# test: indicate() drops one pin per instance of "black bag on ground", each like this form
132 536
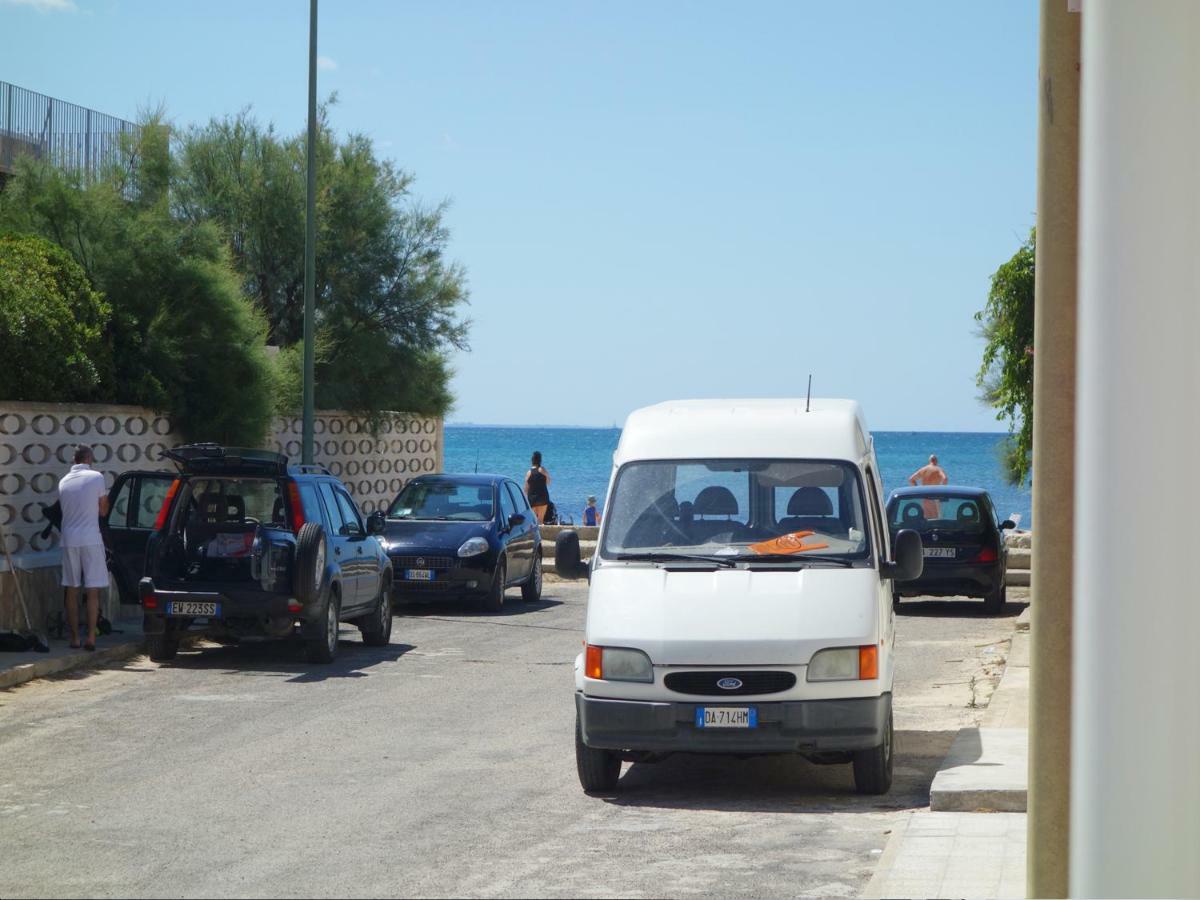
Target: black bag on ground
12 642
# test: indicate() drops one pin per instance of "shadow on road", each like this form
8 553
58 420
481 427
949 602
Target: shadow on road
467 608
781 783
286 658
957 607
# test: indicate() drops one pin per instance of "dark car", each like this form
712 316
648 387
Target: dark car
965 553
249 547
463 535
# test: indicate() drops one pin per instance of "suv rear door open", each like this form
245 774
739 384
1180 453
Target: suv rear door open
133 506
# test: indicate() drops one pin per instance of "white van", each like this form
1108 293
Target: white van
741 593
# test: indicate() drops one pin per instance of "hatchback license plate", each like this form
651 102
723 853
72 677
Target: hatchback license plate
193 608
939 552
726 717
418 574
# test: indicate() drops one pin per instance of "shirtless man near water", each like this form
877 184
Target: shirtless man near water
928 475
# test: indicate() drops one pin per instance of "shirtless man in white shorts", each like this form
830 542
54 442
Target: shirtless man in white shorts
84 500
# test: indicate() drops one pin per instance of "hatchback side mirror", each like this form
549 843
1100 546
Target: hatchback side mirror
910 557
376 522
516 519
1007 524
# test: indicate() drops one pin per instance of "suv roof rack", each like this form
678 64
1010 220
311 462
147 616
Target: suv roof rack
311 469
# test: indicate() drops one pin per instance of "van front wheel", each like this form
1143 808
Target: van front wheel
598 769
873 768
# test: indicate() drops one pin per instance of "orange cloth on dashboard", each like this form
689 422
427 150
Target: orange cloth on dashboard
787 543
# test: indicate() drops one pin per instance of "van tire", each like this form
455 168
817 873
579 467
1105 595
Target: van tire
873 768
994 602
310 562
567 561
599 770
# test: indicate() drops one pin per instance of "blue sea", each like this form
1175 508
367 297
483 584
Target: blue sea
580 460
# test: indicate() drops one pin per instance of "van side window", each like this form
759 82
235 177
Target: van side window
880 535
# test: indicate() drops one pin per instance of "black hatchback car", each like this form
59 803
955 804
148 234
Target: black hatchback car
965 553
463 535
249 547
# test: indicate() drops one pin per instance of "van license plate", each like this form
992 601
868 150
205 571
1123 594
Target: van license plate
940 552
418 574
193 608
726 717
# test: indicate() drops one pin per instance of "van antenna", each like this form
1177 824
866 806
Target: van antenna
808 400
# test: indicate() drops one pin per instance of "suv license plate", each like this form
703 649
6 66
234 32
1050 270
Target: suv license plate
726 717
939 552
418 574
193 608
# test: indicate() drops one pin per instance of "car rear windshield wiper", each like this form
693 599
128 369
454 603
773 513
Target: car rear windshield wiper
793 557
726 561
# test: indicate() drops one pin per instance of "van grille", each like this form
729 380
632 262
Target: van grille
705 683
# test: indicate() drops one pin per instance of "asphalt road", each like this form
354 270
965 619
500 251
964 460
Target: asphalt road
440 765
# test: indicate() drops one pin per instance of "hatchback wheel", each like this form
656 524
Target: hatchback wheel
493 601
531 590
377 627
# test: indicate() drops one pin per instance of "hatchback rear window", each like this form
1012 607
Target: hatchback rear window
941 513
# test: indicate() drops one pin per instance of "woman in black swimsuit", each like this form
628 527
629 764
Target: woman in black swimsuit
537 487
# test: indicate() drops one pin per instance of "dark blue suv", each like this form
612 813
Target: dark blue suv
249 547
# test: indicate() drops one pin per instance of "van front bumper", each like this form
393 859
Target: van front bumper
787 727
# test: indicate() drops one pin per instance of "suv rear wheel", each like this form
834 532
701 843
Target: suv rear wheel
322 648
162 647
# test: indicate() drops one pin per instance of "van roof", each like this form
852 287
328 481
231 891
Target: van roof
749 429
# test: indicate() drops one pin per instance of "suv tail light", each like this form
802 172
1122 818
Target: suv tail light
987 554
297 506
165 510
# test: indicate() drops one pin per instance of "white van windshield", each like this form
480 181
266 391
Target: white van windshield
776 510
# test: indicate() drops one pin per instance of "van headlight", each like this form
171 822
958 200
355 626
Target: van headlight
845 664
473 547
618 664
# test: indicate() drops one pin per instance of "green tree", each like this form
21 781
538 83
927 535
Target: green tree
51 325
181 336
388 300
1006 373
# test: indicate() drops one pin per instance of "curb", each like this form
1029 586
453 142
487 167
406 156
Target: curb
20 674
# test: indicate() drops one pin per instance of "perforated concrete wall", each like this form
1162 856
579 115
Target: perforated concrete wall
37 442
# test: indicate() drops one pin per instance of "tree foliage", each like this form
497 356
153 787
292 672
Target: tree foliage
181 336
51 325
387 299
1006 373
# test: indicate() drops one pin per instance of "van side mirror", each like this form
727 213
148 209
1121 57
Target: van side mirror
909 560
376 522
1007 524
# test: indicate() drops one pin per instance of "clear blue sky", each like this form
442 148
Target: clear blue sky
653 200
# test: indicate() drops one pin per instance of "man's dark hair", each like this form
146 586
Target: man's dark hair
83 454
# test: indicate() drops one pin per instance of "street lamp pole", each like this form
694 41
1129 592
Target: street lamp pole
310 243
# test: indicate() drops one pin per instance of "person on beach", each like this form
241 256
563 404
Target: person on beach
591 515
928 475
84 500
537 487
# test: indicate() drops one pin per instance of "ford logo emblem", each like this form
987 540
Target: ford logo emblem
729 684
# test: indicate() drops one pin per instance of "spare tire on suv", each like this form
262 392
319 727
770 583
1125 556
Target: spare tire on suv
309 570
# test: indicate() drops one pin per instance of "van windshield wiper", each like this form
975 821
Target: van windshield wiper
726 561
793 557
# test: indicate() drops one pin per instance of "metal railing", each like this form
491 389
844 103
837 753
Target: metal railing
71 137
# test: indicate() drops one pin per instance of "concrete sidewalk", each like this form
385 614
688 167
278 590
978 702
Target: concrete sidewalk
971 843
125 641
